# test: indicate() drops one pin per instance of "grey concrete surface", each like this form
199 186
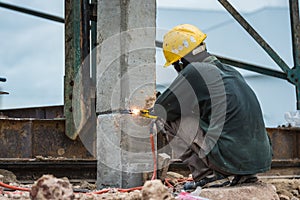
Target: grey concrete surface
125 80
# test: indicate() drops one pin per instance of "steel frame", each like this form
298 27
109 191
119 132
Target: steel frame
293 74
79 13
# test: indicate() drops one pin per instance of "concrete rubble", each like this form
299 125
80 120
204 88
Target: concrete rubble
255 191
155 190
49 187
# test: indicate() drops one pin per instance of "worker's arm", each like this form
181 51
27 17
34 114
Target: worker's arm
183 96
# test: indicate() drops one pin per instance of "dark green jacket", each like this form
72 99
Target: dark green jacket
228 112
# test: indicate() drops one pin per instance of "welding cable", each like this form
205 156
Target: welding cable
180 181
153 122
118 189
183 180
14 187
154 157
168 183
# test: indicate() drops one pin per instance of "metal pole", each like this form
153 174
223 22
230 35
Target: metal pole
72 60
253 68
243 65
255 35
94 44
295 25
32 12
294 74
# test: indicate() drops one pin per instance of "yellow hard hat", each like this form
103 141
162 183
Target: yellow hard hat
180 41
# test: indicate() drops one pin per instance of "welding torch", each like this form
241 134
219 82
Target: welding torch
142 113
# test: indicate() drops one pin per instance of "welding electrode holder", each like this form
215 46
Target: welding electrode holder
146 113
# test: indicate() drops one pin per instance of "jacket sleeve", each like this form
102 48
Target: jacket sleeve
183 96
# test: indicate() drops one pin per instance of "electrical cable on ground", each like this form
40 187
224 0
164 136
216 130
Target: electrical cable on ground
14 187
153 149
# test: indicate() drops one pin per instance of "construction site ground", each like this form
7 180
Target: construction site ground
50 187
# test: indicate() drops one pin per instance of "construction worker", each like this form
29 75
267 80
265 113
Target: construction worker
212 118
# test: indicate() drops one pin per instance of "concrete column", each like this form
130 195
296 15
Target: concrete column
125 80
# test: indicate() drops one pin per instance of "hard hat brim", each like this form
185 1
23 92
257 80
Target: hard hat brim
167 64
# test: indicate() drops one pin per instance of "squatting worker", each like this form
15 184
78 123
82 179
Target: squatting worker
212 118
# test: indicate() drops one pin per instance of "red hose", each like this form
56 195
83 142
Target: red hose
154 156
168 183
14 187
118 189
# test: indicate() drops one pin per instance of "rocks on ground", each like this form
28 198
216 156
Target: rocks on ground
8 176
155 190
254 191
287 189
49 187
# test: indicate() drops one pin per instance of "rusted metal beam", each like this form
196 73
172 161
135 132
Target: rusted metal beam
294 74
2 92
47 112
277 59
32 12
253 68
246 66
295 26
79 107
72 59
32 169
29 138
285 143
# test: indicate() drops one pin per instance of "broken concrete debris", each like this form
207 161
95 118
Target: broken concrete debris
155 190
49 187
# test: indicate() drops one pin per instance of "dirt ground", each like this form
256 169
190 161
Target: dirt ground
287 189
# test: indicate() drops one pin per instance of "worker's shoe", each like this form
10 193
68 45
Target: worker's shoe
240 179
210 181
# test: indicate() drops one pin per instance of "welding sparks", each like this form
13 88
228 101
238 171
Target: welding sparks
135 111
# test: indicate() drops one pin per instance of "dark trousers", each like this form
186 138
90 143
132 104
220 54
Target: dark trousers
186 140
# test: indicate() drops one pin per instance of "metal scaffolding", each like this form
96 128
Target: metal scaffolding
80 18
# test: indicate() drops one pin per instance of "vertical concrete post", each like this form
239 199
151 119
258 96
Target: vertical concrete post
125 80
